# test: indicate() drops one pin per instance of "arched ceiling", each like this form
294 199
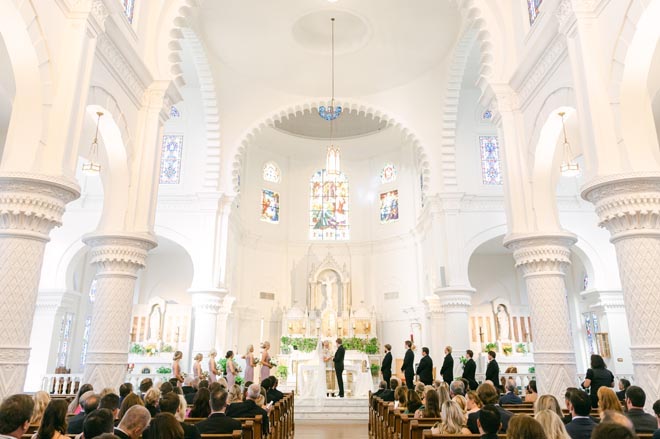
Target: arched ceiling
351 123
380 44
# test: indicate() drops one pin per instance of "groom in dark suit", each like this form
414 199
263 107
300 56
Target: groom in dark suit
425 368
339 366
386 367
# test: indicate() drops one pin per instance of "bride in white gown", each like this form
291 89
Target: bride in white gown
312 377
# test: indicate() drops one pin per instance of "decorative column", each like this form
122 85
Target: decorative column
222 339
436 329
543 260
30 207
206 305
118 258
456 303
629 208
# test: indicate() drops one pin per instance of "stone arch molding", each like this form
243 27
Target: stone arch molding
36 79
421 158
101 97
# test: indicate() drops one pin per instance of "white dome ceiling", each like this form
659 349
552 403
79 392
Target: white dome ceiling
380 44
351 123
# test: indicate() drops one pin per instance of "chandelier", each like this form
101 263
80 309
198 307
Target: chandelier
568 167
92 167
332 158
331 112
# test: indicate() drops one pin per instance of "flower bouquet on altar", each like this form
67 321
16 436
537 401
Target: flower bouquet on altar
151 349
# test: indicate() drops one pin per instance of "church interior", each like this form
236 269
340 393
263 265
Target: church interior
209 175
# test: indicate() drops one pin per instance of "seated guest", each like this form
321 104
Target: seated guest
110 402
74 406
388 395
246 385
151 401
567 401
531 394
249 408
456 388
273 394
189 388
414 402
489 422
170 403
635 400
145 385
174 382
165 426
106 391
134 422
623 386
53 423
462 404
129 401
607 400
401 398
431 407
235 394
549 402
453 420
489 396
382 386
124 390
581 424
89 404
15 414
617 418
201 407
611 430
218 422
510 397
552 424
98 422
166 388
525 427
41 401
472 404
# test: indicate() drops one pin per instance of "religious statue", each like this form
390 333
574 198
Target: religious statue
502 321
155 322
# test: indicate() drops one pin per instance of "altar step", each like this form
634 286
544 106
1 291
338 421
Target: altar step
332 410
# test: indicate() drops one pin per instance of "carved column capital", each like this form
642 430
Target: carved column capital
433 306
455 299
32 205
627 205
206 302
541 254
119 254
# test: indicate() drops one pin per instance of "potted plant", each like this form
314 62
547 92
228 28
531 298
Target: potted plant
164 370
375 369
372 348
282 372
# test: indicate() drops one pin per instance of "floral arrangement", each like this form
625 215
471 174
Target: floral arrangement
375 369
282 372
491 346
149 349
521 348
508 350
205 375
164 370
463 360
273 362
222 365
167 348
239 380
531 369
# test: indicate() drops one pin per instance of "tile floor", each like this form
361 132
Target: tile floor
309 430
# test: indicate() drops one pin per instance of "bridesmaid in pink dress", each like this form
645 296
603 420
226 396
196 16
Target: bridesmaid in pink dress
231 369
213 367
265 362
176 367
249 364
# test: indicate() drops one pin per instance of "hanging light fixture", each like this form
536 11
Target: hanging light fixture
332 158
568 167
93 168
331 112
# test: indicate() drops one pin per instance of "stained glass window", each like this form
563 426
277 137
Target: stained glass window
170 161
591 327
389 206
533 10
487 115
65 339
92 291
271 172
270 206
85 342
174 112
490 160
388 173
129 8
328 207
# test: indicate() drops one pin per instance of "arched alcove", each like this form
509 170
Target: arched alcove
7 92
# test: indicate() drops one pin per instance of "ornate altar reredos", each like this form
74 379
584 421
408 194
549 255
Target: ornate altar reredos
329 311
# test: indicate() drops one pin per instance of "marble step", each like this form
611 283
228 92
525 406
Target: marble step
332 409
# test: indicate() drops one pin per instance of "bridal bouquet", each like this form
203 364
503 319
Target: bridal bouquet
273 362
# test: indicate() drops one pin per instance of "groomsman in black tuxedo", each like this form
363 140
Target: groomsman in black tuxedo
408 368
386 367
493 370
425 368
339 366
470 370
447 370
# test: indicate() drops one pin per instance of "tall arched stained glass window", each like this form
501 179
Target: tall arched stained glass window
328 207
491 173
129 9
533 10
271 172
